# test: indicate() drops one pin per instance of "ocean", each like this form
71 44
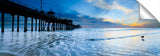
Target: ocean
82 42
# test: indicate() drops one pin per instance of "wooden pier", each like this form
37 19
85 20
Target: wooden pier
47 21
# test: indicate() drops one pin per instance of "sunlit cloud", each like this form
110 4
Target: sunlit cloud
100 4
144 24
104 5
138 24
79 15
117 20
122 8
110 20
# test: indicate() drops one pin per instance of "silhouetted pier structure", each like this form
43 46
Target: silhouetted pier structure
46 20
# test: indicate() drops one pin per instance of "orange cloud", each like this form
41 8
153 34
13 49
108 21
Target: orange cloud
138 24
117 20
134 24
125 24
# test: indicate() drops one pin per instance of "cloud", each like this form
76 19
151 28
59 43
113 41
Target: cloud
100 4
106 5
79 15
138 24
146 23
118 21
89 0
122 8
87 21
110 20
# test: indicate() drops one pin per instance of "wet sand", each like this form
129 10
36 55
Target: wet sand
82 42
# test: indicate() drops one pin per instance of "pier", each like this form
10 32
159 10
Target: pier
47 21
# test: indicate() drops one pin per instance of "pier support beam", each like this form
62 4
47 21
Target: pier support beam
57 26
2 29
42 25
25 24
45 24
17 23
32 24
39 25
12 23
69 27
61 26
35 24
48 25
53 26
64 27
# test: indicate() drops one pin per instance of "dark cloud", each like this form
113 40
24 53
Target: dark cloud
90 21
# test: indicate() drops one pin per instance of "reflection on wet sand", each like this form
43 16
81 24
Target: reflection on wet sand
6 54
126 45
17 38
30 44
142 39
81 42
1 41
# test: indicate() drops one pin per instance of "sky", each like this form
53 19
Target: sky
95 13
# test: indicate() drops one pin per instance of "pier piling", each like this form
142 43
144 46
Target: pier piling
32 24
17 23
48 26
53 26
35 24
39 25
2 29
12 23
25 24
